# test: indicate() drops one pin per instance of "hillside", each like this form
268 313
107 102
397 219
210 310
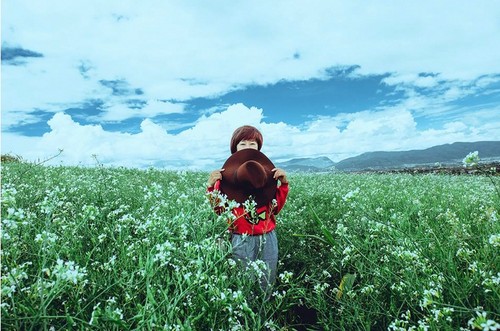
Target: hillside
445 155
448 154
307 164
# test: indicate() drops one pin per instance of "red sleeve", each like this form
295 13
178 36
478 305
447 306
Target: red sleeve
281 194
215 187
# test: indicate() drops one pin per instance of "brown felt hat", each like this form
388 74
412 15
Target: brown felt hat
248 173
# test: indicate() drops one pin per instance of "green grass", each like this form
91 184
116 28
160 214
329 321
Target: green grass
125 249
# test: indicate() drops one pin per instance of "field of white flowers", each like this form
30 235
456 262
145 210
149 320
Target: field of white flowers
124 249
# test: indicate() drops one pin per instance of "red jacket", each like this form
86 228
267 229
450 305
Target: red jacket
263 221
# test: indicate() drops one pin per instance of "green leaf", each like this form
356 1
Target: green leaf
346 284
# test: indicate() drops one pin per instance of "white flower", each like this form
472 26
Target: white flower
259 267
350 194
367 289
101 237
46 236
471 159
270 325
481 322
320 288
286 276
69 271
8 196
494 240
118 313
429 296
490 325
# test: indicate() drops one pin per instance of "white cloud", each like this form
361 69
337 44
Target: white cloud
177 50
51 85
209 138
412 80
206 145
119 112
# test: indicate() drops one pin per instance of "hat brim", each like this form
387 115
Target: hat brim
235 191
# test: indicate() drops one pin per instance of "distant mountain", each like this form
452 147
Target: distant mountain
446 155
307 164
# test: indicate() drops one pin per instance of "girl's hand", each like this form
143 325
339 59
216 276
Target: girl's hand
214 176
280 175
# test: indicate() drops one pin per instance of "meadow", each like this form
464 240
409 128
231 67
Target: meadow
126 249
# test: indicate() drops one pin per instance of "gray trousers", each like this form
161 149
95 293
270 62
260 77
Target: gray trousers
248 249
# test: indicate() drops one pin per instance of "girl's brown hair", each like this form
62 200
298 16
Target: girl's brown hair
246 132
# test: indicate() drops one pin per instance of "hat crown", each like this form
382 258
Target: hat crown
248 172
252 174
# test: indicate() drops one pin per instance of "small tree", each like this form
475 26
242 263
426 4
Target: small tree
11 158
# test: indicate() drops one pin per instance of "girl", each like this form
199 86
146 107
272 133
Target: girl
261 189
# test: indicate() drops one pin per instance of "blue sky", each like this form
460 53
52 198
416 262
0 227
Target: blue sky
165 83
